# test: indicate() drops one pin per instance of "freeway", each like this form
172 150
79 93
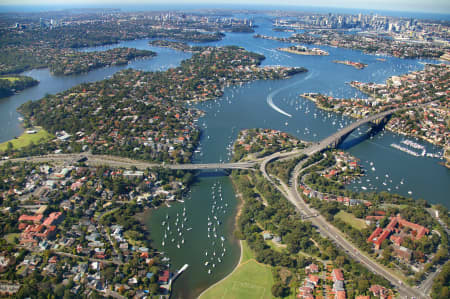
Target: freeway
114 161
335 235
328 230
290 192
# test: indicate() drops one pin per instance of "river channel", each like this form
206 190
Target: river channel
265 104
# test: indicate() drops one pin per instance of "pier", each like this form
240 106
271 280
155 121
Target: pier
177 274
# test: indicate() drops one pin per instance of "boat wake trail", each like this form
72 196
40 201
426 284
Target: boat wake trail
275 92
275 107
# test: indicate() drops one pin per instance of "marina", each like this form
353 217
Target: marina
417 146
187 240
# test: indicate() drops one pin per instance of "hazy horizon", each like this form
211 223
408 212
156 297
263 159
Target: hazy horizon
416 6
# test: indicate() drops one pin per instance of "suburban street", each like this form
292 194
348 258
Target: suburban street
290 192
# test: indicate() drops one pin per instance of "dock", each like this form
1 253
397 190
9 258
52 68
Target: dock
182 269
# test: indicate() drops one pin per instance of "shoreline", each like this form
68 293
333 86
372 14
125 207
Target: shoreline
142 216
386 127
235 268
307 52
356 65
238 196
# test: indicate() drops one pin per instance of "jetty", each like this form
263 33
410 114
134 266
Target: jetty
176 275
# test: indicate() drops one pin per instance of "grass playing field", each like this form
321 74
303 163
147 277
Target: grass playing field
352 220
25 139
12 79
250 280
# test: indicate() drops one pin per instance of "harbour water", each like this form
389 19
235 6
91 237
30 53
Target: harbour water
253 105
210 248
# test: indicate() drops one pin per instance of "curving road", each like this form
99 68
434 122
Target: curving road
328 230
290 192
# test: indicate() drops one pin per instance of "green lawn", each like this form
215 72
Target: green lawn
247 253
250 280
275 246
12 79
10 237
352 220
25 139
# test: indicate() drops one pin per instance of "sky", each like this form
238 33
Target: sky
434 6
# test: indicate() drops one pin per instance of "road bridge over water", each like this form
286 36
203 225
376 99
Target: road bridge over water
290 192
330 142
377 120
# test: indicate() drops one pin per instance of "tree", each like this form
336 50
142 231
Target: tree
68 294
279 290
59 290
340 261
363 285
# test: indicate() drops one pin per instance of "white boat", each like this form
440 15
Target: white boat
206 263
209 271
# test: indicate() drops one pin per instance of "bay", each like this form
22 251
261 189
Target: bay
253 105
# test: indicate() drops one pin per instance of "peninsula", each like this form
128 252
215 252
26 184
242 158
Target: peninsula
11 84
429 85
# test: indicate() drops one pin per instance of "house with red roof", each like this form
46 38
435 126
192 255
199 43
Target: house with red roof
313 268
164 278
379 291
314 279
340 295
395 226
53 219
337 275
34 218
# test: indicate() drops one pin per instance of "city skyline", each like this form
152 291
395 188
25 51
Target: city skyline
433 6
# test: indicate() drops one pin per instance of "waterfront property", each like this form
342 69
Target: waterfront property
395 227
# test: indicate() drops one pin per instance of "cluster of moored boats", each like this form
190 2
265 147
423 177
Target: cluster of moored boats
409 145
179 227
215 253
373 185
